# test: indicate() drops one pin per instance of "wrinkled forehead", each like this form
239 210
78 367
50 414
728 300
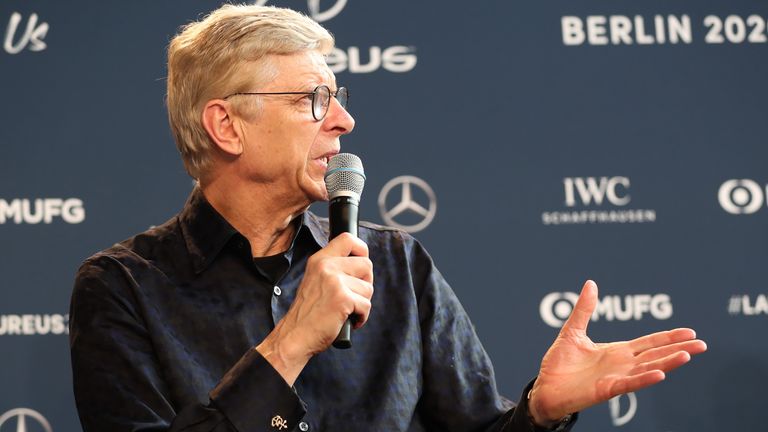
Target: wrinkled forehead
306 67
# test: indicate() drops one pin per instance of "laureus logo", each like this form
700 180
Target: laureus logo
20 36
357 59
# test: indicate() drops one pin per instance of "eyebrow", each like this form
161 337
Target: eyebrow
321 79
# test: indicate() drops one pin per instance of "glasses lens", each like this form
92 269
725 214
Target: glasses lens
342 95
320 102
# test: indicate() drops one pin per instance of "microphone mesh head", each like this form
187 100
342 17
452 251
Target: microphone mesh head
345 176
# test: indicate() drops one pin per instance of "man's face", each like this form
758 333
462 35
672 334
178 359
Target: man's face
284 146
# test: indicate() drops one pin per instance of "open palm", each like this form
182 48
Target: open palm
577 373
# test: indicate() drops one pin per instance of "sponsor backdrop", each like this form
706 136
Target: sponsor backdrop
530 145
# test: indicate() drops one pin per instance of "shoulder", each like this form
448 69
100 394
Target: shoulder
372 230
154 247
395 244
371 233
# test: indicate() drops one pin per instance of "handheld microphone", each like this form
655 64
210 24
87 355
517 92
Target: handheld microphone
344 181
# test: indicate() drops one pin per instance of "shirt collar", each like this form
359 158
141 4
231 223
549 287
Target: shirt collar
316 226
206 232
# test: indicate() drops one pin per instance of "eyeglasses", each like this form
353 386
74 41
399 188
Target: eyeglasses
321 98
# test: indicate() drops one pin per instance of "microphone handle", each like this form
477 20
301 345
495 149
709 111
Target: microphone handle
343 217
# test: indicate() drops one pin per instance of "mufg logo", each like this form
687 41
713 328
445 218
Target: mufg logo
42 210
24 420
742 196
556 307
597 200
396 58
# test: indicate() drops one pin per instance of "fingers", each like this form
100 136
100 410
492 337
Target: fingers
357 296
582 311
359 267
353 297
346 254
660 339
362 310
665 364
635 382
692 347
345 244
358 286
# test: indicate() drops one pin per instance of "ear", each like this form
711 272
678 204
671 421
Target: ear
220 124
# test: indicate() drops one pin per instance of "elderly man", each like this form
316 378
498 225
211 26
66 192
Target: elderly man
221 319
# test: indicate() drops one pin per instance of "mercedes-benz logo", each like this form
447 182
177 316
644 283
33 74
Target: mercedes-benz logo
314 9
22 415
408 203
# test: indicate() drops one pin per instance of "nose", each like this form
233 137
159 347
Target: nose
338 119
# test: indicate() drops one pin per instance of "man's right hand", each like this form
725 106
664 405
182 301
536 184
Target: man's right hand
338 283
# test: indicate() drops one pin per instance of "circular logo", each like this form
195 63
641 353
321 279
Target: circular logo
23 419
408 214
313 6
556 307
740 196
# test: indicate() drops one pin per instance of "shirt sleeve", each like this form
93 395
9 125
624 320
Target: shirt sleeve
118 382
519 418
460 392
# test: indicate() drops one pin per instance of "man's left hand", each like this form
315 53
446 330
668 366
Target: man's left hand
577 373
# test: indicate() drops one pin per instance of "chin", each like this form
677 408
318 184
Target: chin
316 191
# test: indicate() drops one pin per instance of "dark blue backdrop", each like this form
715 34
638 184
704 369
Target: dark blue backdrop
565 140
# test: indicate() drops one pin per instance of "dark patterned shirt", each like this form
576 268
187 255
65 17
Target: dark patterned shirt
164 325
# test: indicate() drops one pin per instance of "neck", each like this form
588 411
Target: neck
257 211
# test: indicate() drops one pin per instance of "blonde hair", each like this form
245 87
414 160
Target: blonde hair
226 53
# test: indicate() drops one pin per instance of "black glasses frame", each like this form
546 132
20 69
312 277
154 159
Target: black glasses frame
343 91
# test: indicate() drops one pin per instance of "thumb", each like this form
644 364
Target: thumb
582 310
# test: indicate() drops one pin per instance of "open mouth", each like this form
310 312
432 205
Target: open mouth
326 158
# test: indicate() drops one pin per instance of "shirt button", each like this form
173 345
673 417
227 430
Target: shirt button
303 426
277 291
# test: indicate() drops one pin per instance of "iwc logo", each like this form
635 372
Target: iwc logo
24 420
414 207
597 200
